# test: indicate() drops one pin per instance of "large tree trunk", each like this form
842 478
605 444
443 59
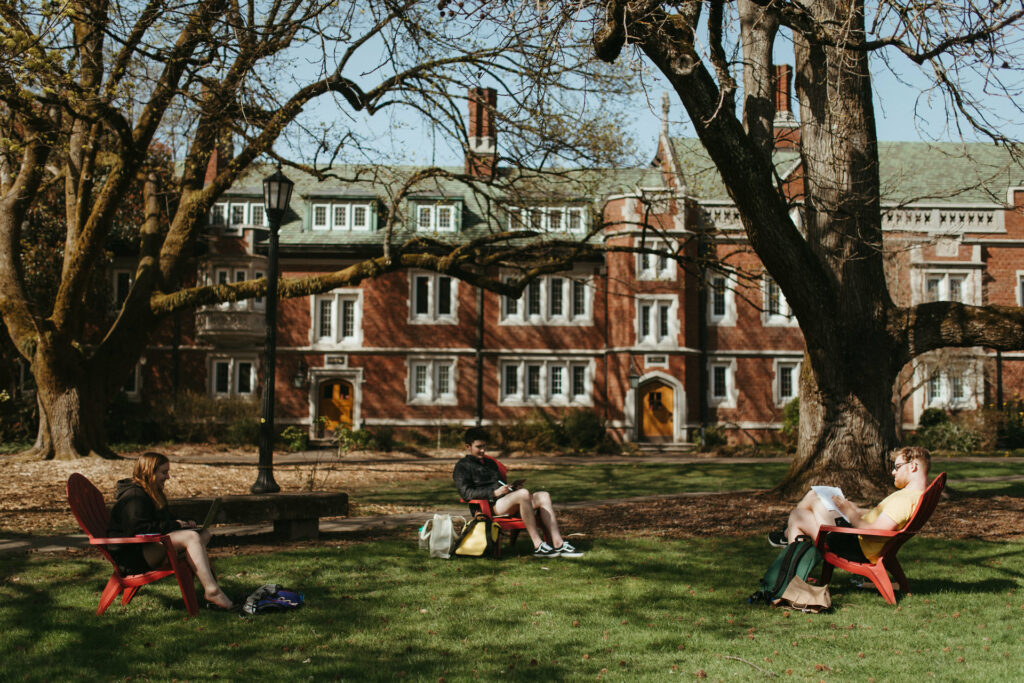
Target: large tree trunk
72 403
846 417
846 431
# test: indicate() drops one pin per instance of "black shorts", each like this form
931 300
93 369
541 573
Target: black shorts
846 546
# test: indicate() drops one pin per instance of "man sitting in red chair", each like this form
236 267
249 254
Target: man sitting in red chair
910 474
479 477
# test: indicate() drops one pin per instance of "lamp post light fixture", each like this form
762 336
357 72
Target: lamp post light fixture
277 193
301 377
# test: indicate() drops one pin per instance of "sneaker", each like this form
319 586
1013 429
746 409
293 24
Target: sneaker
568 550
544 550
777 539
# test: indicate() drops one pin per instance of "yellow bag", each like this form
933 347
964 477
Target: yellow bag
480 538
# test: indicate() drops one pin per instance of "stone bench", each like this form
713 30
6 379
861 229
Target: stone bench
296 515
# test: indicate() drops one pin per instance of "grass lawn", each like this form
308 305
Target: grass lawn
588 482
631 609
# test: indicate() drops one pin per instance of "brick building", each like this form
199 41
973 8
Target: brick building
654 348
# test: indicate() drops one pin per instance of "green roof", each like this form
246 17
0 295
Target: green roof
482 212
910 172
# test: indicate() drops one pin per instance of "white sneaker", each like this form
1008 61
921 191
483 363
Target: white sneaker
568 550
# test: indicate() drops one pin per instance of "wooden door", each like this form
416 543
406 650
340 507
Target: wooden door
656 410
336 405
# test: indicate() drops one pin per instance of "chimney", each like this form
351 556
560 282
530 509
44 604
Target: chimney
787 129
481 158
222 153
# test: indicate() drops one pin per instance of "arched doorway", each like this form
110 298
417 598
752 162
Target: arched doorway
657 411
335 405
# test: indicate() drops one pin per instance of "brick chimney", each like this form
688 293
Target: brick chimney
481 158
787 129
222 153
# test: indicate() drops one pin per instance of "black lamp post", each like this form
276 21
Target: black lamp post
277 192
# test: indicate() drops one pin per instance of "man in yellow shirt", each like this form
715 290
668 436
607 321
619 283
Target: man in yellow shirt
910 475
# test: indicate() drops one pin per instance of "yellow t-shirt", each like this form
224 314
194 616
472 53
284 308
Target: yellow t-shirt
899 507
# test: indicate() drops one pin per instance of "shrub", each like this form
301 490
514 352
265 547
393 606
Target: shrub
353 440
790 429
583 429
18 419
295 438
714 437
1011 425
947 436
931 417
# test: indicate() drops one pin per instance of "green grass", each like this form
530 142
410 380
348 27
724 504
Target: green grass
589 482
631 609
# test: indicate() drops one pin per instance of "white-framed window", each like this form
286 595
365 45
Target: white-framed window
26 381
570 219
232 377
787 381
133 384
546 381
722 383
950 387
432 381
1020 288
655 266
776 309
338 318
342 216
225 275
657 322
436 217
432 298
121 284
945 287
551 300
232 216
721 300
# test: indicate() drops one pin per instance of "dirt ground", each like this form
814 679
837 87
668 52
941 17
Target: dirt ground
32 499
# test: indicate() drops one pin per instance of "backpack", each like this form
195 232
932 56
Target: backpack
798 559
479 538
272 598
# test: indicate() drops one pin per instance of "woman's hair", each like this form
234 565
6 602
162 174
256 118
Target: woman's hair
145 476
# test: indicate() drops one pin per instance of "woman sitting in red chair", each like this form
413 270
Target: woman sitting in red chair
141 508
478 477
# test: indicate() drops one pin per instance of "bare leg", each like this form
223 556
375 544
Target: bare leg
521 499
807 516
546 511
193 544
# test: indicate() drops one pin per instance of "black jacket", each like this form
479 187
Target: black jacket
475 479
135 513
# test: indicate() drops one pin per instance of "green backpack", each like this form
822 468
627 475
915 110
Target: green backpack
799 558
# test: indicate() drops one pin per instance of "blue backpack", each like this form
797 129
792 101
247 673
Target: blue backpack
272 598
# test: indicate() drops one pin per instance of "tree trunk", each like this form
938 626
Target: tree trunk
846 432
72 405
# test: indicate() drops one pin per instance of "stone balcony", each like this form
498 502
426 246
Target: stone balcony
230 326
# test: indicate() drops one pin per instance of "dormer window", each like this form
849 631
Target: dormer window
436 216
547 218
233 216
352 216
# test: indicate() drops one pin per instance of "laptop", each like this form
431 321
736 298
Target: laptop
211 515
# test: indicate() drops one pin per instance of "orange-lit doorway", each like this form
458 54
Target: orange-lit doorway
657 403
335 405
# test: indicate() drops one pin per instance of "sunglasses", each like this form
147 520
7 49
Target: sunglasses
896 467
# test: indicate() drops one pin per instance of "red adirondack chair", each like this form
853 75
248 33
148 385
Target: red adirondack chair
87 505
507 524
887 562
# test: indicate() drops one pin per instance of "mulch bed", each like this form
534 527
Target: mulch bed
32 501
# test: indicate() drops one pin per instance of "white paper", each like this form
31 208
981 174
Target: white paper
826 493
